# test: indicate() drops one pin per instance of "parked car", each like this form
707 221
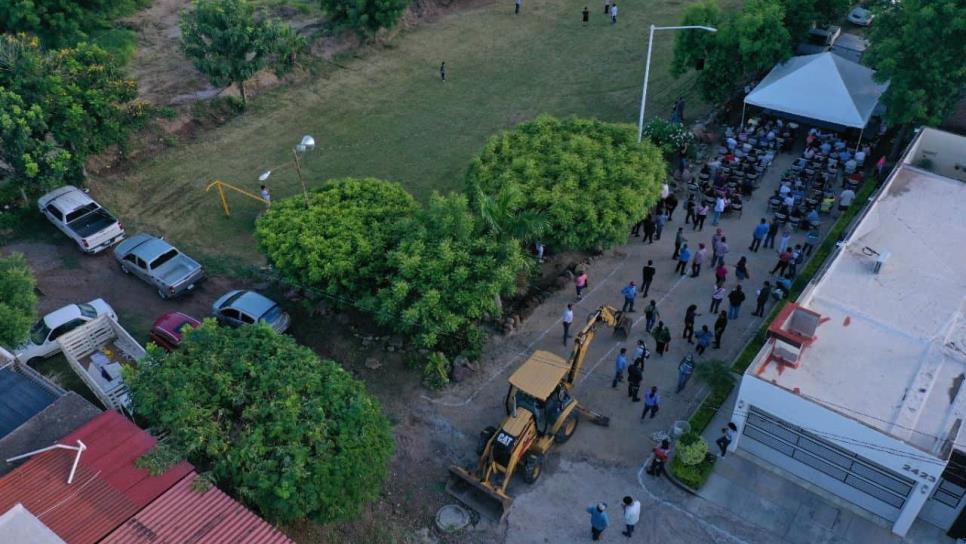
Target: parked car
169 328
237 308
42 341
819 40
91 227
159 264
860 16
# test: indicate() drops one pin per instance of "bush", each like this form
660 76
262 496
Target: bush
365 16
445 277
693 476
672 138
62 23
436 371
287 433
591 180
701 417
691 448
340 244
18 302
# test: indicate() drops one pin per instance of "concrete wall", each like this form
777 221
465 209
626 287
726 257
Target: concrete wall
847 434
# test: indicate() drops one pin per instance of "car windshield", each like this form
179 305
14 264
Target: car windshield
165 257
272 315
39 332
87 310
81 212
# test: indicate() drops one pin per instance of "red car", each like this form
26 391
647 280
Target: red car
166 331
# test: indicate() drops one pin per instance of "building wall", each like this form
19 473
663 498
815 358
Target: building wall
846 433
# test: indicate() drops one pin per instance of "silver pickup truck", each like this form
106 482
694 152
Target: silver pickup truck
80 218
159 264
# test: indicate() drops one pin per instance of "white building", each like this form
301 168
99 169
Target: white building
859 389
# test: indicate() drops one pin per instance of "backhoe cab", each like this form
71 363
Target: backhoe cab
541 411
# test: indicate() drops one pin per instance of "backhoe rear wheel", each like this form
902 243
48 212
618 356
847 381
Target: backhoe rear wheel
567 429
532 468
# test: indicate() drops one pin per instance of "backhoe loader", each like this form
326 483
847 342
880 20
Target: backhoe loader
541 411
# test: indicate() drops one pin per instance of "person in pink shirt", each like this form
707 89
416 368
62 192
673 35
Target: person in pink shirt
581 283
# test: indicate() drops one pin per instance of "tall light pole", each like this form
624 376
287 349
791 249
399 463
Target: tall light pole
307 144
647 67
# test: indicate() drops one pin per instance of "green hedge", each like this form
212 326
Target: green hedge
693 476
709 407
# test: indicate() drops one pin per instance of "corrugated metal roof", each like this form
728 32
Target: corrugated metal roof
184 516
107 489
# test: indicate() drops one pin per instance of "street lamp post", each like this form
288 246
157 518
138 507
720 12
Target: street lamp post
307 144
647 67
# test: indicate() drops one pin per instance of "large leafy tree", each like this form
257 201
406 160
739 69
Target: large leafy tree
340 243
291 435
590 179
802 15
64 105
446 277
229 44
18 302
693 47
59 23
924 85
365 16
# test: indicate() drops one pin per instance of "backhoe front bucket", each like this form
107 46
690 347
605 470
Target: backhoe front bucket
479 496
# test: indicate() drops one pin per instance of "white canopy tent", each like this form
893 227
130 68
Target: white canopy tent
824 87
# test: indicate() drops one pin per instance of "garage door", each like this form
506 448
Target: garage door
838 470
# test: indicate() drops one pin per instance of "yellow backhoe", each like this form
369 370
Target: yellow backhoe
541 411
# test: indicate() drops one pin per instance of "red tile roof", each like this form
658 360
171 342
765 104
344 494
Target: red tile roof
107 490
185 516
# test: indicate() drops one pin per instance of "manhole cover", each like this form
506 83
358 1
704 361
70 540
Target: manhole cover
452 518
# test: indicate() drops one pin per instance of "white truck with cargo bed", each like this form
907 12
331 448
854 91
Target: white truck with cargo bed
78 216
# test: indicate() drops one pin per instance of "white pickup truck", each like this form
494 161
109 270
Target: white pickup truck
81 218
97 351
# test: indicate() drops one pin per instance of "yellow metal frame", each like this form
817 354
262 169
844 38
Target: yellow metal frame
221 185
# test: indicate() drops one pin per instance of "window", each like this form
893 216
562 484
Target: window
131 259
164 257
81 212
247 318
66 328
55 212
39 332
87 311
230 313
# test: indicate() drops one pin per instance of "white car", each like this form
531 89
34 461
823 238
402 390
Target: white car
42 342
861 17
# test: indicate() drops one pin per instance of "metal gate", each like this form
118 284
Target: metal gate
949 495
844 473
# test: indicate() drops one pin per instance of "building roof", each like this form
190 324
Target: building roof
63 416
19 525
890 347
107 489
21 397
182 514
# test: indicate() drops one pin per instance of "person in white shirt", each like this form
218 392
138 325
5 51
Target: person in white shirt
845 199
568 318
789 202
632 514
727 435
784 190
266 196
850 166
810 153
860 157
613 13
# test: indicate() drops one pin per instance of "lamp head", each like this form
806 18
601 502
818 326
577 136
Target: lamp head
265 175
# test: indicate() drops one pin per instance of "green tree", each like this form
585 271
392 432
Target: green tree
691 47
923 86
229 45
291 435
18 302
61 23
36 162
365 16
446 276
504 215
802 15
341 242
591 179
716 374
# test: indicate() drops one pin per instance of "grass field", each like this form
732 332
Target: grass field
387 114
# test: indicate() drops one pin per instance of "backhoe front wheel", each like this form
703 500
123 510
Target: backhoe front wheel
567 429
532 468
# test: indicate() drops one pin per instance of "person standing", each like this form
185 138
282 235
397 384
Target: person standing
716 297
720 274
772 232
782 263
640 353
758 235
735 298
689 208
683 257
845 199
685 369
652 403
704 338
585 15
266 195
635 375
793 262
661 454
598 520
670 204
720 250
662 337
442 71
659 222
720 325
647 276
620 365
679 241
632 514
630 294
539 247
811 240
741 269
613 13
698 260
783 243
762 299
719 208
568 318
702 214
727 436
516 8
651 315
689 316
607 8
580 282
649 227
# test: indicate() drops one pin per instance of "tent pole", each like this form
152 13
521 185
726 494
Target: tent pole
742 125
858 144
